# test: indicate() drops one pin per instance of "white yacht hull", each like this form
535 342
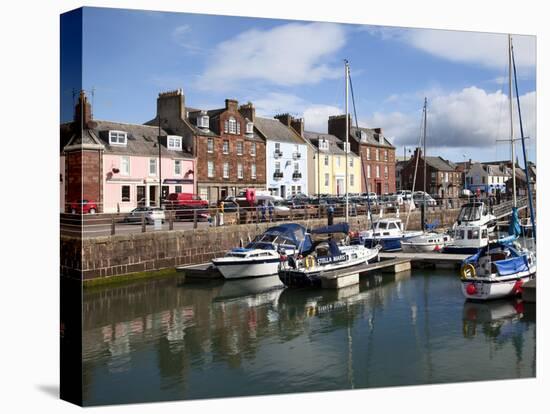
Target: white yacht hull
496 287
235 270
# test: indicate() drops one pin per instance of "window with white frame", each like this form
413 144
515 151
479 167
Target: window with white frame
152 166
338 161
277 147
350 160
226 146
296 167
253 171
225 170
203 121
446 177
368 171
346 147
351 180
240 148
385 171
363 136
327 179
377 154
173 142
239 171
299 189
326 160
232 125
125 165
253 149
377 171
125 193
210 146
249 128
385 155
323 144
118 137
277 167
177 189
177 167
210 169
368 153
226 126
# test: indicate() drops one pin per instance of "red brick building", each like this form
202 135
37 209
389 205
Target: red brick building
443 179
83 157
376 152
230 154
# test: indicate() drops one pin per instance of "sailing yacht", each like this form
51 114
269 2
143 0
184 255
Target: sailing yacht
501 268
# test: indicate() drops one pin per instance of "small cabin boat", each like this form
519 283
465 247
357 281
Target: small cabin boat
262 255
388 233
426 243
316 257
497 270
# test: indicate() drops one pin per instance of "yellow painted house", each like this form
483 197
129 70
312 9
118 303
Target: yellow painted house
327 165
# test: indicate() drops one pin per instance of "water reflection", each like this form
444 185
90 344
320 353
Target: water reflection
174 339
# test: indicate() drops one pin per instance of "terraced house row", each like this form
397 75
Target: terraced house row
215 153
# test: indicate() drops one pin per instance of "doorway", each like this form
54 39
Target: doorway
379 188
140 195
152 195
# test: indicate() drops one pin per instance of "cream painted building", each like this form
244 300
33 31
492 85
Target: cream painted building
327 165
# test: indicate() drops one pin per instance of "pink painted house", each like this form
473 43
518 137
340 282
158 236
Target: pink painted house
132 167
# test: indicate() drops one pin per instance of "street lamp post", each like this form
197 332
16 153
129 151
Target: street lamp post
160 167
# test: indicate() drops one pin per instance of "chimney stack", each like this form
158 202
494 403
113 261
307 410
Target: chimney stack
337 126
171 105
297 125
285 119
248 111
232 104
83 111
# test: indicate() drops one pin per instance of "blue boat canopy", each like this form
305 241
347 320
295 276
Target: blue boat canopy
288 234
335 228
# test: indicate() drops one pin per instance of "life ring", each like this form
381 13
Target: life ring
309 261
467 271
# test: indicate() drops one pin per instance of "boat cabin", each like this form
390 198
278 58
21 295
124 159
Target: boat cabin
474 211
388 227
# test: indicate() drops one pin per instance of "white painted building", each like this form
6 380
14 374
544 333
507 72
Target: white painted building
487 178
286 158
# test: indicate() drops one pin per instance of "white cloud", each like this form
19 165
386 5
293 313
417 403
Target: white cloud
286 55
315 115
181 36
487 49
470 118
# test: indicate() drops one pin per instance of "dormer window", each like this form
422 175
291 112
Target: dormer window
173 142
323 144
363 136
346 146
249 128
203 121
118 137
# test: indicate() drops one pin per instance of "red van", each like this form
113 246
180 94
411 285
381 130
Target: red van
175 200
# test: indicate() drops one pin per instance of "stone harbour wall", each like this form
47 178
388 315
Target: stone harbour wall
103 257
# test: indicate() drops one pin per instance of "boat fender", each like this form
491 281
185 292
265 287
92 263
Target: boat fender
309 262
467 271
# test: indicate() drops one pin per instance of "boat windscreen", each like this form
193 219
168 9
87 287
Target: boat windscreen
470 212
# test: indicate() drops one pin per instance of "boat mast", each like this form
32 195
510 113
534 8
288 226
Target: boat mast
424 139
511 121
346 148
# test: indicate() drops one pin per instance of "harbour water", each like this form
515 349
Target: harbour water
168 339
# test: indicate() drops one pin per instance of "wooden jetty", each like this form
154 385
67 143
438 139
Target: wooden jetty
395 262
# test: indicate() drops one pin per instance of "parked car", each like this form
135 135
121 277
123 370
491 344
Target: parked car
405 194
84 207
187 213
420 197
466 193
229 205
150 213
177 200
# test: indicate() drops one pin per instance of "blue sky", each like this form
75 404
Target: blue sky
297 67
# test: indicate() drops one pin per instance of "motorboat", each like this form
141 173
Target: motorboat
317 257
498 270
261 256
426 243
386 232
472 229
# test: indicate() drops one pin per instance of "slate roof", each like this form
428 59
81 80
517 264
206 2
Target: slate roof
335 146
274 130
495 170
440 164
371 137
142 140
